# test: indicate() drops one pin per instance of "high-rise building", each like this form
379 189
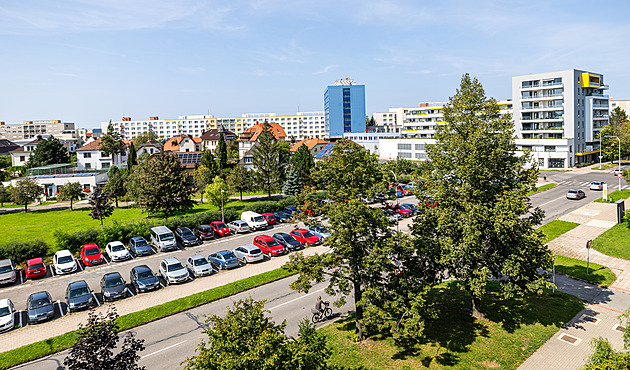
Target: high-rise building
31 129
344 108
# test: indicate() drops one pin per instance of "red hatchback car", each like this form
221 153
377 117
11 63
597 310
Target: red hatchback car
305 237
91 254
269 245
271 219
401 211
35 268
220 228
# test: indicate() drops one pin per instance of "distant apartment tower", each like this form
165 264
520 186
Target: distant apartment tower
623 104
558 116
344 108
165 128
31 129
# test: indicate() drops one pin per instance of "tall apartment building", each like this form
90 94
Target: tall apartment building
166 128
558 116
28 130
344 108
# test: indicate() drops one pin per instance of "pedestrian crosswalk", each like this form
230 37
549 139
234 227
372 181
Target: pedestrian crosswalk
586 184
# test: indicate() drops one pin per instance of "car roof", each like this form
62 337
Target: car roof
111 275
264 237
301 230
141 268
249 246
33 261
90 245
171 260
136 238
77 284
5 262
4 302
42 294
63 252
183 227
282 234
197 256
267 214
116 242
224 252
216 222
203 226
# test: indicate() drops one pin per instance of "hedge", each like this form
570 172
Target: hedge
21 251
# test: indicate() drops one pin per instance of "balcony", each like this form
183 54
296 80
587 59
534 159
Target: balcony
596 94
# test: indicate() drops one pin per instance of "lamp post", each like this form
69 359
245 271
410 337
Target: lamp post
222 217
396 195
619 174
600 149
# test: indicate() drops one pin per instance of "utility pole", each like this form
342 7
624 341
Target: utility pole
619 174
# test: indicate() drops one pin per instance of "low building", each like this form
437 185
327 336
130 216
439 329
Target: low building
248 137
370 140
90 157
20 156
313 145
53 182
210 138
6 147
183 143
149 148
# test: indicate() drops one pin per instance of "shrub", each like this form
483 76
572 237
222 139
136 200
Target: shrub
74 241
265 206
19 252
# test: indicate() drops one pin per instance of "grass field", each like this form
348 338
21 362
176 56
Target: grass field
615 195
605 166
614 242
510 332
542 188
598 274
556 228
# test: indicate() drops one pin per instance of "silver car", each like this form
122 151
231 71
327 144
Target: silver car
172 270
198 265
248 253
7 272
597 185
238 226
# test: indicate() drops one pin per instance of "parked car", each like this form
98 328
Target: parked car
143 279
198 265
248 253
223 260
39 307
238 226
204 232
117 251
7 272
401 211
283 216
319 230
597 185
7 315
78 296
618 171
35 267
392 215
185 237
412 207
255 220
138 246
575 194
269 245
163 238
91 254
291 210
288 241
113 286
64 262
270 218
220 228
305 237
172 270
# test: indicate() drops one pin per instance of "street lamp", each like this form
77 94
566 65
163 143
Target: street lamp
222 217
396 195
619 174
600 149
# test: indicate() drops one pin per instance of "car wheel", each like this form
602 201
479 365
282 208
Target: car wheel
244 261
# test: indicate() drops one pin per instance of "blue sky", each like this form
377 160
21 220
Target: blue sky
87 61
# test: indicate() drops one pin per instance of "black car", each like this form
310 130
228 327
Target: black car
113 286
412 207
78 296
39 307
143 279
288 241
291 210
138 246
283 216
186 237
204 232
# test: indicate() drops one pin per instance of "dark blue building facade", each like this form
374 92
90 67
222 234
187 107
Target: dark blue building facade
344 109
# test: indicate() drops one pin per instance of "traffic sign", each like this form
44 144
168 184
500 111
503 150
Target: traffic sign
619 175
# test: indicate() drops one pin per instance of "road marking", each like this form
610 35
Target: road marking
96 299
553 200
52 270
164 349
130 292
79 263
60 309
20 317
293 300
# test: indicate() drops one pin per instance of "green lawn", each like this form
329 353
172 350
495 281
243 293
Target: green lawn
510 332
614 242
598 274
556 228
615 195
542 188
605 166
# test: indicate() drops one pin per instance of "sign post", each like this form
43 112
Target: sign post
605 192
588 254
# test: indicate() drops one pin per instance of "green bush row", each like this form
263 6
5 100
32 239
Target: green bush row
22 251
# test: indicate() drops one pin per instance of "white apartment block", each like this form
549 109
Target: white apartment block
31 129
164 128
372 140
300 125
90 157
623 104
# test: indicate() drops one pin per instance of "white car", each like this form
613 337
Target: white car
7 315
597 185
238 226
117 251
618 171
172 270
198 265
64 262
248 253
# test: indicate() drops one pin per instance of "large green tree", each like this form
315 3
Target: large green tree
617 117
203 177
218 192
209 161
116 183
161 185
132 159
267 168
232 149
111 143
71 191
303 163
100 204
146 137
483 224
48 151
610 145
222 153
26 191
292 185
240 180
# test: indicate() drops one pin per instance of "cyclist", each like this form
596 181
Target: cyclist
318 304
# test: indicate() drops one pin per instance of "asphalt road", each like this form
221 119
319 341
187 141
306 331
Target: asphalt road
171 340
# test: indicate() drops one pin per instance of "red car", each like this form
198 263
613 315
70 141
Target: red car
91 254
220 228
401 211
35 268
269 245
305 237
271 219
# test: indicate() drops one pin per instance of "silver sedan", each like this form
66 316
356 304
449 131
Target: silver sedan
198 265
238 226
248 253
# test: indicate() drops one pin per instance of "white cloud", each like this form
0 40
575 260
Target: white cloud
326 69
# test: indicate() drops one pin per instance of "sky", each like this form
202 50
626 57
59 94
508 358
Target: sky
87 61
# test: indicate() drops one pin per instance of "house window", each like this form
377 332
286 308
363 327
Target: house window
87 155
22 158
88 166
105 165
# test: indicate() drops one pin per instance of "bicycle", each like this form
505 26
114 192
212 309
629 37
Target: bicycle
325 314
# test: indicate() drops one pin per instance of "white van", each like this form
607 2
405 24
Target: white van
255 220
163 238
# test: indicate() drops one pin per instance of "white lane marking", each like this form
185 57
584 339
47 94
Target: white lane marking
52 270
162 285
130 292
553 200
60 308
20 317
96 299
164 349
293 300
79 263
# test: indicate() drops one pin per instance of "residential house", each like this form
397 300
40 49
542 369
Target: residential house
248 137
313 145
210 138
90 157
149 148
183 143
20 156
6 147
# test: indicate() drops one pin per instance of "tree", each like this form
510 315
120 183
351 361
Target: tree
247 339
483 224
218 193
617 117
48 151
26 191
161 185
293 185
233 149
267 171
240 180
71 191
202 177
606 357
100 205
116 180
3 193
146 137
132 159
303 163
222 153
610 145
111 143
208 160
97 341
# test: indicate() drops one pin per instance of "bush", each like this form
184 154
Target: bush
74 241
19 252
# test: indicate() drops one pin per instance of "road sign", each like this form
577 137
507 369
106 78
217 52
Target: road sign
619 175
605 192
588 244
600 157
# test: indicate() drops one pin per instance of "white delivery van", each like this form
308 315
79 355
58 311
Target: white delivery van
255 220
163 238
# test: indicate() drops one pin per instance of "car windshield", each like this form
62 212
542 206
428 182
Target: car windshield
573 191
272 243
41 302
308 234
91 251
65 259
200 262
255 251
166 237
117 248
141 243
289 238
175 267
596 183
259 219
220 225
204 229
145 275
4 311
186 232
6 268
113 282
228 255
36 266
404 187
79 292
